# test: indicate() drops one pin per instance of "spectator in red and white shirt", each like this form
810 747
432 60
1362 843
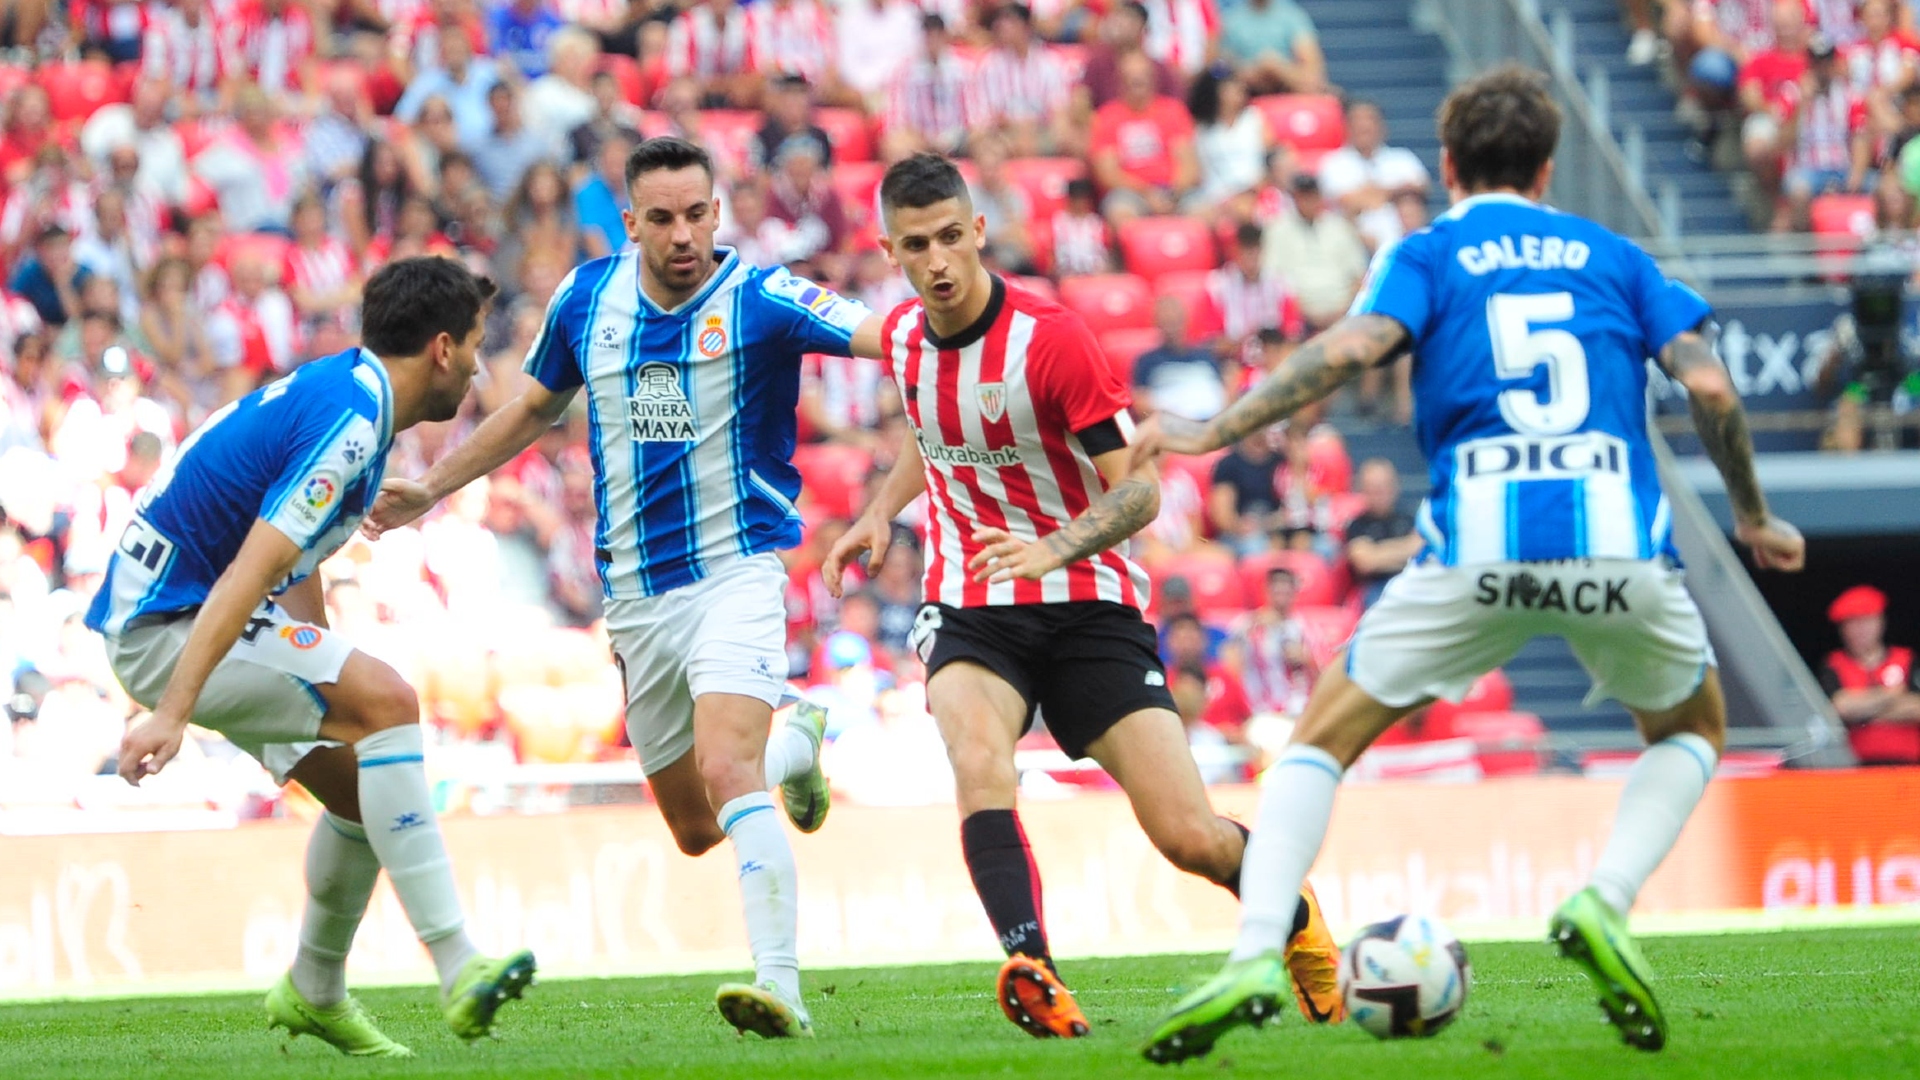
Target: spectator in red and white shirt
184 48
1142 147
320 274
1079 239
1251 298
254 333
931 105
793 37
840 397
876 40
29 127
1768 86
1021 88
1827 130
712 43
1279 670
140 127
1887 55
52 195
272 42
116 27
1183 34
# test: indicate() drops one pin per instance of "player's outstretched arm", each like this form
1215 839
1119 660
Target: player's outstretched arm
873 531
1131 500
867 342
494 443
1315 370
266 558
1721 422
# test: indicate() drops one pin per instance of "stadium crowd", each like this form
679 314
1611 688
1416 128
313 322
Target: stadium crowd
192 192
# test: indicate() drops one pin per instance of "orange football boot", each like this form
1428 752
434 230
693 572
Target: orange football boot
1033 997
1313 959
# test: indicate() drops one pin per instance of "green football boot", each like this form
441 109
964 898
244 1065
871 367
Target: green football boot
1589 932
1249 992
482 986
763 1010
346 1026
807 796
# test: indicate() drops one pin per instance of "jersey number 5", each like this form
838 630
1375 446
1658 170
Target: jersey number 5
1518 349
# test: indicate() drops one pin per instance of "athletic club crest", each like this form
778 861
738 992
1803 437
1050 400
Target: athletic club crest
712 339
992 397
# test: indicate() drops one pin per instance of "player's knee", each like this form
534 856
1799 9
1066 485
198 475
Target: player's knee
729 776
978 764
391 704
1196 847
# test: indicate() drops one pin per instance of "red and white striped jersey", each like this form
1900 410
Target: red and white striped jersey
189 57
1178 32
994 411
698 45
324 268
1248 306
1889 62
933 99
1020 88
1826 126
849 388
791 38
270 46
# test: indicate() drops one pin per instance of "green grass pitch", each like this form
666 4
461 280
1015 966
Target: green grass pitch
1842 1003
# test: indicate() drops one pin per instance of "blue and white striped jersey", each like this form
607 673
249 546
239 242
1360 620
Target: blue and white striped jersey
692 411
1531 331
306 454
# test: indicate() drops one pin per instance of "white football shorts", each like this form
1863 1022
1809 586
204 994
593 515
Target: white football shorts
263 696
1436 629
724 634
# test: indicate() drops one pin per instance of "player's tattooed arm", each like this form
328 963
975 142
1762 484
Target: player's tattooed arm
1721 422
1313 372
1132 499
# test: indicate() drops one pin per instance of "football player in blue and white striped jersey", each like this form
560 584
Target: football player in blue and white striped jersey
690 362
1530 331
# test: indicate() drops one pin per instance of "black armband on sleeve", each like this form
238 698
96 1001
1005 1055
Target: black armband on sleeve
1102 438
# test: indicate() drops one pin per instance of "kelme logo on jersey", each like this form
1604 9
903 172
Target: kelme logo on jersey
992 397
1522 457
712 339
608 337
659 411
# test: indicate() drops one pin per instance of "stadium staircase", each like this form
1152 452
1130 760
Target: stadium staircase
1374 51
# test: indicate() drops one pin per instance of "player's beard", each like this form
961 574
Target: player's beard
683 278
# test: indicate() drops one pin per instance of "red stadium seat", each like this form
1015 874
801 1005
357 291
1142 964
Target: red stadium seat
834 476
654 124
1203 315
856 182
1507 743
12 77
1305 121
1316 583
1327 629
76 91
1045 182
848 132
1843 215
1327 455
1153 246
626 71
1038 286
268 249
729 135
1124 346
1109 301
1216 588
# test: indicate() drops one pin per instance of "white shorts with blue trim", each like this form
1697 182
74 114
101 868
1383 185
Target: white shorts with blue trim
263 696
723 634
1436 629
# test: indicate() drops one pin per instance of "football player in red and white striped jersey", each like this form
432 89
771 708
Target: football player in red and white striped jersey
1032 605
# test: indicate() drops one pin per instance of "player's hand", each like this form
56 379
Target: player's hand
865 535
1165 433
1005 557
401 501
149 745
1776 544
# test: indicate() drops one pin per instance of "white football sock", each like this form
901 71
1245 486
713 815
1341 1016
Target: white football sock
1295 806
397 810
769 892
341 872
789 755
1660 795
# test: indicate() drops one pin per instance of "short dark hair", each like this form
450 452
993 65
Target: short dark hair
1018 11
410 302
666 152
931 22
1500 128
1135 8
1247 234
1282 572
1079 188
920 181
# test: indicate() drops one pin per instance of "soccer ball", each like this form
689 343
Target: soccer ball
1406 976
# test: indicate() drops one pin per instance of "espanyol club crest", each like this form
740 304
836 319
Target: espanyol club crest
992 397
712 339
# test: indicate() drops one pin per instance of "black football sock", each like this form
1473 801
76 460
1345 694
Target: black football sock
1007 880
1232 884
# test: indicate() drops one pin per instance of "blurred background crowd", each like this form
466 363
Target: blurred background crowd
193 191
